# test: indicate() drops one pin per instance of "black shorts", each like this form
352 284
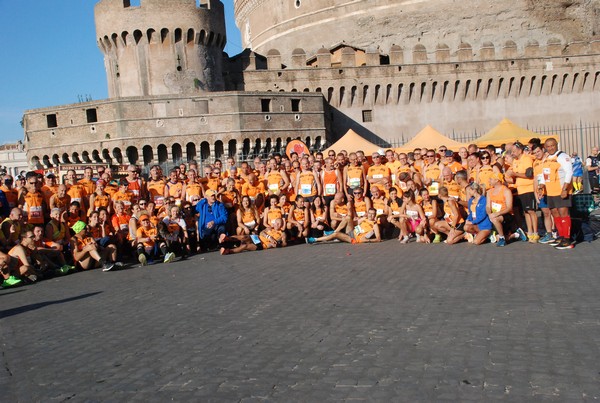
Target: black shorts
559 202
327 200
527 201
309 199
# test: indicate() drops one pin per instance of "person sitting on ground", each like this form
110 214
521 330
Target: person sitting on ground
176 234
87 254
47 258
247 218
272 212
149 244
415 221
212 218
452 224
478 226
366 231
299 219
500 206
339 209
274 237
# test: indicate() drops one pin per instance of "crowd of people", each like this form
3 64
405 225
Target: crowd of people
427 196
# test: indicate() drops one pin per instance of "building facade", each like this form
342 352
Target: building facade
314 69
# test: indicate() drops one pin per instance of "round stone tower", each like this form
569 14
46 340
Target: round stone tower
312 24
160 47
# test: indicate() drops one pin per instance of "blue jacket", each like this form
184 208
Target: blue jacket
218 210
481 218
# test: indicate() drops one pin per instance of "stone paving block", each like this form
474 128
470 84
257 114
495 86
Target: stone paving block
392 324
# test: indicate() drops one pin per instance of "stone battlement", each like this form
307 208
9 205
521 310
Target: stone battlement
345 55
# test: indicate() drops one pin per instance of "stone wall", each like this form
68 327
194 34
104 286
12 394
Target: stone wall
148 130
312 24
161 47
397 93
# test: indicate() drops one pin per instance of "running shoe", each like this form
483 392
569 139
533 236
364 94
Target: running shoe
327 233
437 238
310 239
546 238
556 241
469 237
108 266
11 281
142 259
501 242
64 270
493 238
119 264
565 244
533 238
522 235
404 239
169 257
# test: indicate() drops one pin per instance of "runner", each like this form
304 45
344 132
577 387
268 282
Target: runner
366 231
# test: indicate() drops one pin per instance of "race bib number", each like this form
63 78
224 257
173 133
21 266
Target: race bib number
330 189
358 230
546 173
354 182
360 213
428 213
305 189
378 176
35 212
255 239
434 188
540 179
273 187
379 211
496 207
250 224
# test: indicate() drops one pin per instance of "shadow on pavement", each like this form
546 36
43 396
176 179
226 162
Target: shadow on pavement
33 307
12 292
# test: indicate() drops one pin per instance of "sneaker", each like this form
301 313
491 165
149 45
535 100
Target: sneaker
405 239
437 238
169 257
311 240
565 244
143 260
533 238
556 241
65 269
469 237
32 277
108 266
546 238
327 233
501 242
522 235
493 238
119 264
11 281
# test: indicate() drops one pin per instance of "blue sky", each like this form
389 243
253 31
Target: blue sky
49 57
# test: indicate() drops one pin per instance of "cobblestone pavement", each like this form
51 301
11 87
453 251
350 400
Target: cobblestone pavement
334 322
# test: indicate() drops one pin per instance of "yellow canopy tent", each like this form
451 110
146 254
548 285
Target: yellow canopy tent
429 138
508 132
352 142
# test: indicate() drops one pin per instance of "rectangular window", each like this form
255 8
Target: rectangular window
51 119
367 116
265 105
91 115
295 105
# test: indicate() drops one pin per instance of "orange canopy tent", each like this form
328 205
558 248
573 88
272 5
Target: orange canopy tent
508 132
352 142
429 138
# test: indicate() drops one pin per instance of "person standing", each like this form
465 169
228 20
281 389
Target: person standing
593 169
558 172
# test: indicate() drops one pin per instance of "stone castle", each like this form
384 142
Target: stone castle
314 69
